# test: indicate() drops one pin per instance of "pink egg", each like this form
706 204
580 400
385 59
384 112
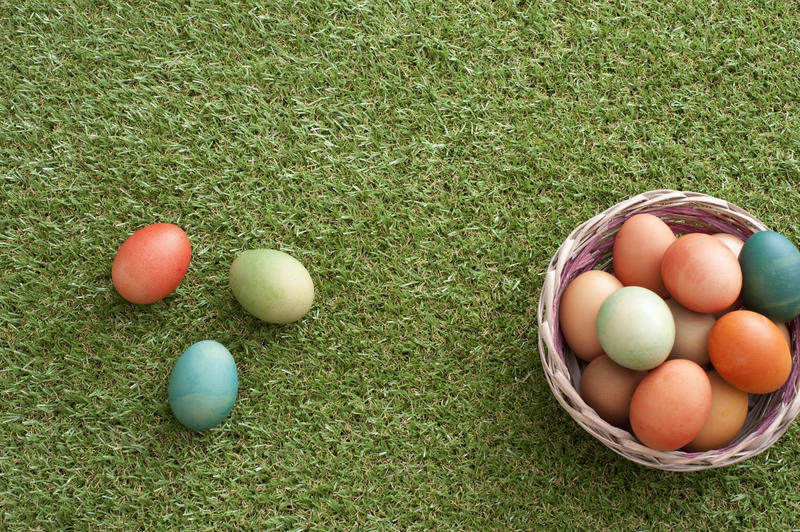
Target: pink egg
701 273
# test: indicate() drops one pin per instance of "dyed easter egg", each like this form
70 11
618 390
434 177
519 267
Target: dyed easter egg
771 275
701 273
271 285
608 387
638 249
785 332
671 405
635 328
726 417
578 311
151 263
203 385
733 242
749 351
691 333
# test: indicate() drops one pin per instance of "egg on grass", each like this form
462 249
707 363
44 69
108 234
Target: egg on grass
271 285
151 263
203 385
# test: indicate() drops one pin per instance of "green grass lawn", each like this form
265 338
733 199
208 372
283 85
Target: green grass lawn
424 160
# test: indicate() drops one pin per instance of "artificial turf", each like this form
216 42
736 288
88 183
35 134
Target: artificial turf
424 160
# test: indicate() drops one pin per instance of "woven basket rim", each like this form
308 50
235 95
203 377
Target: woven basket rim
587 247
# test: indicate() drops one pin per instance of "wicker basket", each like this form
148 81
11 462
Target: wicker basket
588 247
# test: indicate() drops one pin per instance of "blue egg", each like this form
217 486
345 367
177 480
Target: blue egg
771 275
203 385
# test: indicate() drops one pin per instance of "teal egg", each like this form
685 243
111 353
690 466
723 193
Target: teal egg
636 328
203 385
771 276
271 285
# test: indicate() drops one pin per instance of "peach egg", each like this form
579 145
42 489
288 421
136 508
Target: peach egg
701 273
578 311
671 405
638 249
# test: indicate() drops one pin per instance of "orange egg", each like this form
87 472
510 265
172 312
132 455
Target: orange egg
608 387
749 351
638 249
671 405
726 418
578 311
701 273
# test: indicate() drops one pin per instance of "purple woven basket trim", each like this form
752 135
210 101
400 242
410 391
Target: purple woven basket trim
697 220
769 417
714 224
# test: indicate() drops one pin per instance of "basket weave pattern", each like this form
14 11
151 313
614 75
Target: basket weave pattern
588 247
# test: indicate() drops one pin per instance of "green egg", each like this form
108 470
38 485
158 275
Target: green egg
771 276
636 328
271 285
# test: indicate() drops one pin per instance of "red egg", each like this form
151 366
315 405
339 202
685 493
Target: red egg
151 263
701 273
